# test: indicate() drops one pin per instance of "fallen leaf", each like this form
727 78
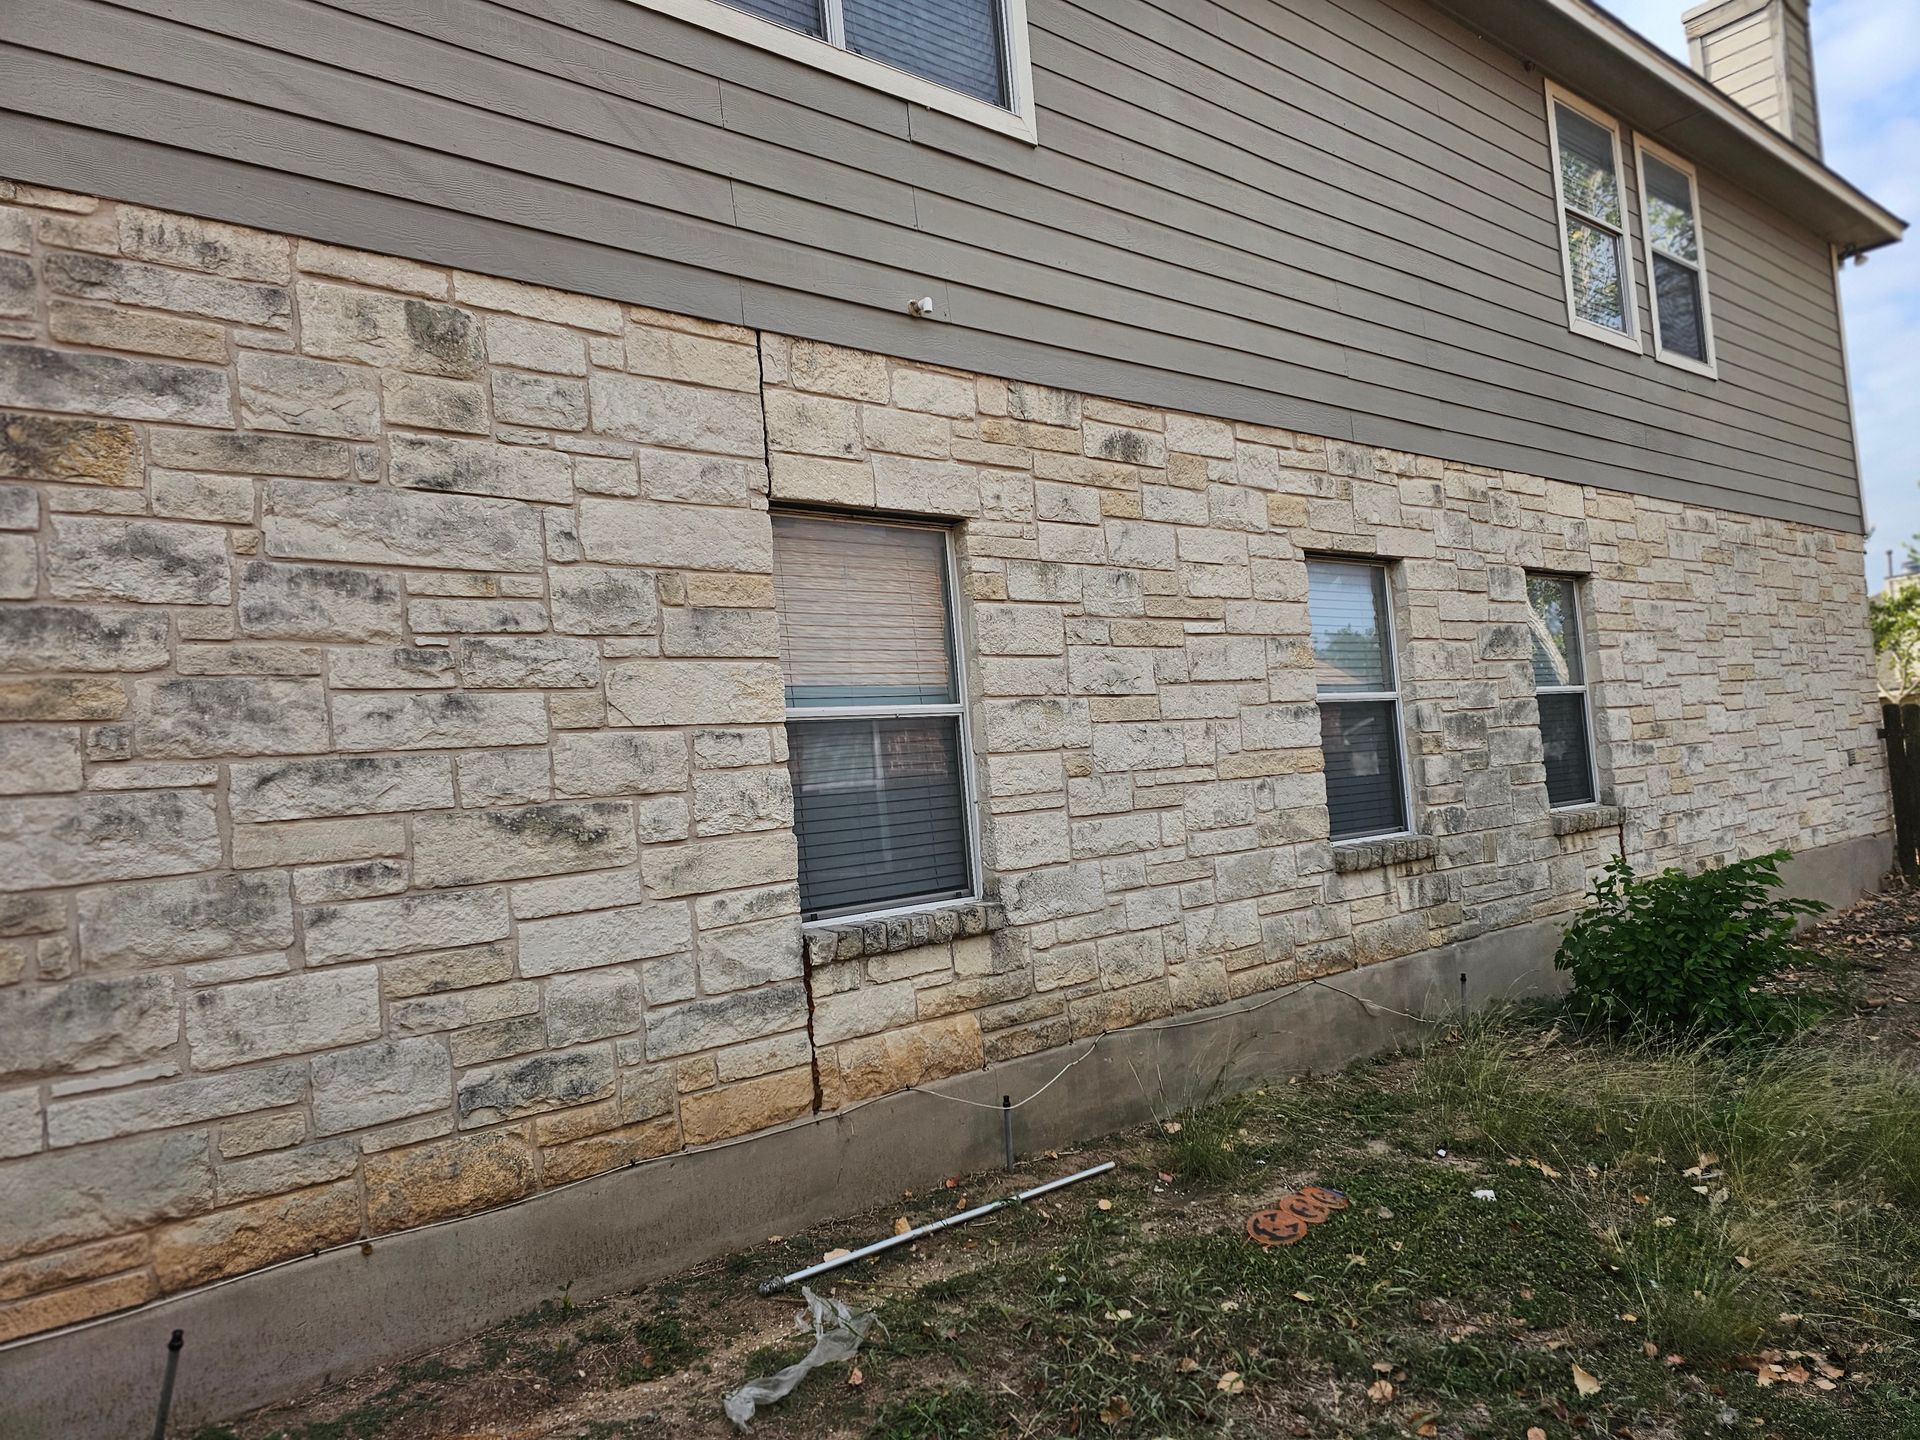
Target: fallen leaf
1166 1177
1630 1318
1187 1365
1789 1317
1585 1381
1172 1127
1743 1262
854 1377
1231 1383
1117 1410
1380 1392
1662 1222
901 1225
1649 1349
1303 1297
1427 1428
1383 1367
839 1254
1104 1204
1227 1307
1534 1432
1824 1384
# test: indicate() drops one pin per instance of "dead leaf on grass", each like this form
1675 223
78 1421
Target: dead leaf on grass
1380 1392
1585 1381
855 1378
1230 1383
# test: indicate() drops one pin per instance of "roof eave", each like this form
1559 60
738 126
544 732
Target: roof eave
1598 56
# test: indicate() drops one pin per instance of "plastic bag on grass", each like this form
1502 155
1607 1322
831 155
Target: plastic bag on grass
837 1333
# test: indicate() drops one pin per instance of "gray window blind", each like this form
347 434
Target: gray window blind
874 734
1673 245
956 43
802 15
1560 686
1593 225
1359 701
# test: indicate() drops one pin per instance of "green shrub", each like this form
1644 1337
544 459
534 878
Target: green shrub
1679 953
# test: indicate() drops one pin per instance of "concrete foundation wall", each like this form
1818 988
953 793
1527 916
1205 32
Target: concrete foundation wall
397 817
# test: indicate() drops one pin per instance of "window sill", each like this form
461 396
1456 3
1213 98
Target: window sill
1355 855
828 941
1579 819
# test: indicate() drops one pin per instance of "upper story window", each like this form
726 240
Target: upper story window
1359 690
1560 684
1676 258
1593 220
964 57
875 730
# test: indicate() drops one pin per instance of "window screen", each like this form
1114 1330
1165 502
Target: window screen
1560 683
1359 698
1593 225
1673 251
873 714
960 44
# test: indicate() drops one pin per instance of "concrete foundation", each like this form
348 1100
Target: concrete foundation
277 1332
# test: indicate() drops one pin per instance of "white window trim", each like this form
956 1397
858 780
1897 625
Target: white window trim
1407 829
1584 690
969 792
1017 121
1642 146
1631 339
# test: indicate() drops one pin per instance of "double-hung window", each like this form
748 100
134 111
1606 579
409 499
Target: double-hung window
875 728
965 57
1358 685
1594 256
1560 683
1676 255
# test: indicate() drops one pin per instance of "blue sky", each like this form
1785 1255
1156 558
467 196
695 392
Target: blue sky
1867 73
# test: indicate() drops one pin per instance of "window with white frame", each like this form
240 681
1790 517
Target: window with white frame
875 719
1560 684
1359 693
1676 258
964 57
1594 256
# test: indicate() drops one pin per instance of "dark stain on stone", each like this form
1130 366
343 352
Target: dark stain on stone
547 823
444 333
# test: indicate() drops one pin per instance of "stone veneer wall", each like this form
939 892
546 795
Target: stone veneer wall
397 821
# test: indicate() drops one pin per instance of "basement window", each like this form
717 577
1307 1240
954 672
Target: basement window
876 735
1560 685
966 58
1594 258
1359 693
1676 257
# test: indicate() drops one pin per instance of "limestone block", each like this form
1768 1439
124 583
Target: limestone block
67 1197
602 937
152 562
436 720
400 667
676 537
742 800
536 302
19 508
116 327
318 602
372 1084
726 1020
86 1024
278 1172
727 864
884 1064
185 240
185 495
343 785
700 479
246 453
427 402
385 271
310 521
1019 630
681 417
232 1242
505 777
308 397
448 1177
456 1009
316 842
745 955
546 402
164 1107
440 971
73 452
591 600
1036 723
619 762
229 715
80 839
155 287
747 1106
592 1005
339 322
735 633
696 692
480 467
39 759
287 1015
71 637
195 919
538 1082
604 890
535 345
373 928
865 1010
538 662
467 847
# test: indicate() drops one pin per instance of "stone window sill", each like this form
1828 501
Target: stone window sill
1583 818
1373 854
829 941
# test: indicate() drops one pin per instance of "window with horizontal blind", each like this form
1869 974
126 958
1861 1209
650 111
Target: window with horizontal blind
1560 684
1359 693
1595 261
967 57
1676 258
876 748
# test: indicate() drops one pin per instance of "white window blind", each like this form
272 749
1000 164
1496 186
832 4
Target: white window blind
1676 255
1593 221
874 714
960 44
1560 684
1358 686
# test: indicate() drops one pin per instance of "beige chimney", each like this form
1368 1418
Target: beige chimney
1758 52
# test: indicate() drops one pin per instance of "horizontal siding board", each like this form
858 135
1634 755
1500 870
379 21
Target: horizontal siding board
1334 218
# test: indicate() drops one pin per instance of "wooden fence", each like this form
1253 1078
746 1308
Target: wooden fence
1900 727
